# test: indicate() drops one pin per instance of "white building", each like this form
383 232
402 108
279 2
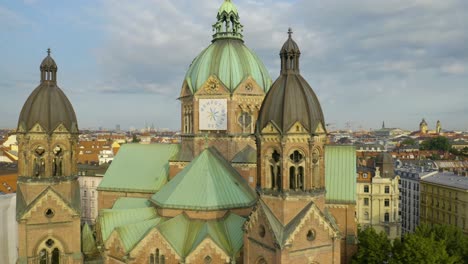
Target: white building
377 197
410 177
105 156
8 229
89 178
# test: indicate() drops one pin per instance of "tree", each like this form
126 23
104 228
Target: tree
415 248
408 142
135 139
456 242
437 143
373 247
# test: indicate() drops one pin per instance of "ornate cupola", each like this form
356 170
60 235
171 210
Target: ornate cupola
290 131
48 193
228 24
423 126
222 91
48 69
290 54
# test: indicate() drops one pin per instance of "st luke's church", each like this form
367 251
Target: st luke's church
252 181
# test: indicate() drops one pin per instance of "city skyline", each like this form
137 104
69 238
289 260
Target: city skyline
398 61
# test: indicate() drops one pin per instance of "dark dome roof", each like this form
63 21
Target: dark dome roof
290 45
48 63
385 162
47 105
290 98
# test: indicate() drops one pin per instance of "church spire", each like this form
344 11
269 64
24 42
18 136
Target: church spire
290 54
48 69
228 25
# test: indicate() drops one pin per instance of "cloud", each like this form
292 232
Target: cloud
367 60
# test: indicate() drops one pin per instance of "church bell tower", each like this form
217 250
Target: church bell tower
48 194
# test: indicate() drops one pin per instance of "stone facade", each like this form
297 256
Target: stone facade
48 203
378 203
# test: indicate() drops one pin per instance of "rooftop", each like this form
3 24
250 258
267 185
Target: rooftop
448 179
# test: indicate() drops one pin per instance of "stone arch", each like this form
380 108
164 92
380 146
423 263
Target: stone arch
62 246
296 163
273 176
50 250
316 161
261 260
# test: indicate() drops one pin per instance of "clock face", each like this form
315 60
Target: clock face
213 114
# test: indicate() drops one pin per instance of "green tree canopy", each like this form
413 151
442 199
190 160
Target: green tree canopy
408 142
373 247
428 244
437 143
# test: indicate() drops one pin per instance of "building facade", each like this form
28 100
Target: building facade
8 229
410 177
89 181
378 197
444 200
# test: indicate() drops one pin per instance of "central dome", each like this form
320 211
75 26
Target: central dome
231 62
227 57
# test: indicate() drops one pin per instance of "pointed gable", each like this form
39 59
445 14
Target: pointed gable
49 198
208 183
284 234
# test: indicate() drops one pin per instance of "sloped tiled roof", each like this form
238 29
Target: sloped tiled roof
139 168
109 219
131 234
88 243
186 234
208 183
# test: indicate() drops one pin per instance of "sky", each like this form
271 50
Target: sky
123 62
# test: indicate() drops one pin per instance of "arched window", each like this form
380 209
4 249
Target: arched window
151 259
55 256
366 215
387 217
316 175
49 252
157 260
43 255
296 171
275 170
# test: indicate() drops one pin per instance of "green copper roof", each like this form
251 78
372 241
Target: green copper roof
207 183
340 174
186 234
111 218
139 168
231 62
228 7
131 234
88 243
131 203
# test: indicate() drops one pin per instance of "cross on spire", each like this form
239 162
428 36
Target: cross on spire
48 52
290 32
